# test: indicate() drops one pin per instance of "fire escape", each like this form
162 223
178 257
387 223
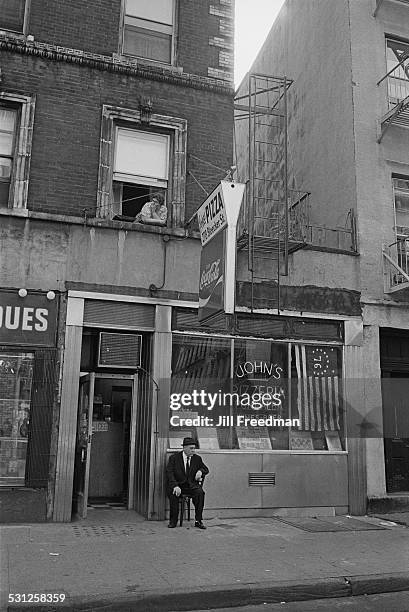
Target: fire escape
275 219
396 255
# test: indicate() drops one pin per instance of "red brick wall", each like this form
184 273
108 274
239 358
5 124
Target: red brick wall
94 26
64 166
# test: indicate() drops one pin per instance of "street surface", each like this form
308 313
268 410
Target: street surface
386 602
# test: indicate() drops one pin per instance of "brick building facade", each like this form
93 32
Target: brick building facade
81 82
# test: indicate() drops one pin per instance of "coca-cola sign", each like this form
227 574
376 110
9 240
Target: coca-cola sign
27 320
211 282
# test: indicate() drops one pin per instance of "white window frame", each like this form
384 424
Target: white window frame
18 194
156 27
23 31
175 128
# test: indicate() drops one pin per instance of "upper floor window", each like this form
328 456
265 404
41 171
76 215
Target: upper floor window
140 176
398 81
8 121
142 167
12 13
401 198
148 29
16 134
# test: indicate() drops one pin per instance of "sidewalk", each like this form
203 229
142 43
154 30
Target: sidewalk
117 561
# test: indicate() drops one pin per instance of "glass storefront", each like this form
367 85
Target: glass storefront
16 378
254 394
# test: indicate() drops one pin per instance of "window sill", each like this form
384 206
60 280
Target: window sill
144 61
101 223
13 34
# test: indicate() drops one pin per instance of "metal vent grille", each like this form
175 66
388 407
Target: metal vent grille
119 350
104 313
262 479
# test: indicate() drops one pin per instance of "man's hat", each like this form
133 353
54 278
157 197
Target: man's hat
188 442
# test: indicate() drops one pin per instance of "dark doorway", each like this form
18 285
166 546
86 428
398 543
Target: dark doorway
395 397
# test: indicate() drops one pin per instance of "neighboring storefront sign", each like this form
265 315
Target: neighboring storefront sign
217 218
28 320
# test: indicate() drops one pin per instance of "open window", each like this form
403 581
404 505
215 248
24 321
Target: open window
140 160
149 29
141 168
12 15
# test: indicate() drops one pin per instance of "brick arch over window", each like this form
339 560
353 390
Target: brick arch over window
174 127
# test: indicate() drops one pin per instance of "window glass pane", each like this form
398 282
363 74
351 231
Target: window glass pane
316 398
16 375
261 376
6 143
141 154
5 168
7 120
200 365
148 44
12 14
159 10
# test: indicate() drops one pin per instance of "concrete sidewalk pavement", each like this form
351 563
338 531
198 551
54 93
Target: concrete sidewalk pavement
117 561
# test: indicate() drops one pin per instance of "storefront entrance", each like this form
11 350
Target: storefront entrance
395 398
105 448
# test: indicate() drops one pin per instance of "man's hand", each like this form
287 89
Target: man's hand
199 475
177 491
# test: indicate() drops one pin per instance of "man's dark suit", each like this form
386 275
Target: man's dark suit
176 477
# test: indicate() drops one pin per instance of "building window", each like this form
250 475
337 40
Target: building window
12 14
398 80
145 161
16 132
401 200
148 29
141 168
16 378
247 394
8 122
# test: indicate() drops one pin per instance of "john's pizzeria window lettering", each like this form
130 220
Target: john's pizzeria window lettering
255 394
16 377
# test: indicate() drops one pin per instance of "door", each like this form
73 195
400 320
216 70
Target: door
396 431
83 445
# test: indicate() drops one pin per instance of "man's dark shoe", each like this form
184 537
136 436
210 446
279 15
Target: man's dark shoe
172 525
200 525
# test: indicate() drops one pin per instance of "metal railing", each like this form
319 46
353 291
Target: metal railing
397 80
300 229
396 265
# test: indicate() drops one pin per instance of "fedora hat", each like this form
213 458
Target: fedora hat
188 442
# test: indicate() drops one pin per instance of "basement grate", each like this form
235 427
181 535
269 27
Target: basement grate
317 525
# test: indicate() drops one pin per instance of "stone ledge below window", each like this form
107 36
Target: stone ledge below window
102 223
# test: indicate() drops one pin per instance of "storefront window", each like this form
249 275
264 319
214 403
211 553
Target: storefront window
16 376
316 398
250 394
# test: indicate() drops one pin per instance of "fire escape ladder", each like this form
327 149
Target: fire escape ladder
272 222
396 265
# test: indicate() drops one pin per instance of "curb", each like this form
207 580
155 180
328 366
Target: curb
187 600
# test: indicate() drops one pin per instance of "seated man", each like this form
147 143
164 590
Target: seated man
185 471
154 212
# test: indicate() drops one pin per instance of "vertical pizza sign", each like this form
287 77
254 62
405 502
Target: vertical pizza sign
217 218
